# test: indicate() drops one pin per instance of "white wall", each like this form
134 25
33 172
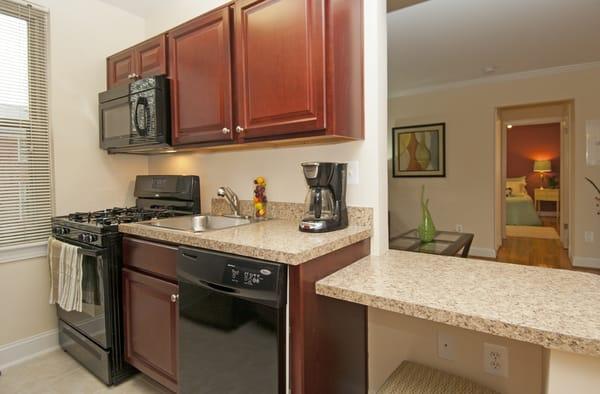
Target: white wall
466 195
281 166
82 34
394 338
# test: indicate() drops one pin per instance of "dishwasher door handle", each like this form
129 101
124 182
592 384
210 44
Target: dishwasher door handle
216 287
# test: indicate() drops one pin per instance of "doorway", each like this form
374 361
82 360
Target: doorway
532 184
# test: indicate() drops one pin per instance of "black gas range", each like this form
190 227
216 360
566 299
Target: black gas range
95 336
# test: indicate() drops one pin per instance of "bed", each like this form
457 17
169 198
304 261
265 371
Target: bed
520 210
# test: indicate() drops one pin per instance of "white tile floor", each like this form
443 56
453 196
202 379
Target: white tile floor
56 372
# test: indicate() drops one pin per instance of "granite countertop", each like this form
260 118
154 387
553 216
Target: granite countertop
276 240
557 309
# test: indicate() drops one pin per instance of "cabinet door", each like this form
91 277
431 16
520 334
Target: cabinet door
150 319
280 66
200 72
151 57
119 67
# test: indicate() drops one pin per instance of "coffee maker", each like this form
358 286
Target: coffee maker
325 205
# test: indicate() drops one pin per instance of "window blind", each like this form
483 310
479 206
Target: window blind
25 168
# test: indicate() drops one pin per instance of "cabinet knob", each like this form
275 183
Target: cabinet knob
239 129
174 297
226 130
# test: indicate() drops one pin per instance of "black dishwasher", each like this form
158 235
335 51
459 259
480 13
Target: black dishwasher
231 323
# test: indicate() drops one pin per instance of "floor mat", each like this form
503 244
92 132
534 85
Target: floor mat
532 232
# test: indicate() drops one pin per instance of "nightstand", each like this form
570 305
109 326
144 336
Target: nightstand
547 195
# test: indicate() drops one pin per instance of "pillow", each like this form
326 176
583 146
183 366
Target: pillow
518 185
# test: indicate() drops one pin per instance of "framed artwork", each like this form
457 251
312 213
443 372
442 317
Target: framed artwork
419 151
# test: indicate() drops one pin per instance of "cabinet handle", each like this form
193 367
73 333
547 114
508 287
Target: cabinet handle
239 129
174 297
226 130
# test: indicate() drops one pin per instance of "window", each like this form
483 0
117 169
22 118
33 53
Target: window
25 175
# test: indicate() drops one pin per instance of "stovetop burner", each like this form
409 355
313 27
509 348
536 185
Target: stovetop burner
114 216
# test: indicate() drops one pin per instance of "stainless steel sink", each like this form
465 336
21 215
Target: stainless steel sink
200 223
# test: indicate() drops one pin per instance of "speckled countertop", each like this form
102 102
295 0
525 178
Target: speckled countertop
557 309
276 240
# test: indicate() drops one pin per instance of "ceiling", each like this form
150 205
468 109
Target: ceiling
443 41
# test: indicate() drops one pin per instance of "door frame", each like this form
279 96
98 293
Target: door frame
566 143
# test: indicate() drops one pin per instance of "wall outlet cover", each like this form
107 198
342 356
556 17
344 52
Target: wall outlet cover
495 359
589 236
459 228
446 346
352 175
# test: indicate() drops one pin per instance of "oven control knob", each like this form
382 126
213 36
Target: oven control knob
92 237
61 230
84 237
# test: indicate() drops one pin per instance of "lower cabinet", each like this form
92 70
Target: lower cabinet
150 314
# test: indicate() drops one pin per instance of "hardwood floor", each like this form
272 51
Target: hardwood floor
537 252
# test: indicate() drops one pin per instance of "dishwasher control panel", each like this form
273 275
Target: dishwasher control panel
255 276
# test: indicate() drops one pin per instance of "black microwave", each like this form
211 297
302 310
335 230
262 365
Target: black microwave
134 118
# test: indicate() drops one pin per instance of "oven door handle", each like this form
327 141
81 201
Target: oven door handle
141 102
91 253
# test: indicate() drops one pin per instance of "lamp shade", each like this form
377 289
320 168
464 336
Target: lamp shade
542 166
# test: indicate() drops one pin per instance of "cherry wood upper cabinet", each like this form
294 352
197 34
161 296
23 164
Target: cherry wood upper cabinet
280 67
150 317
119 68
151 57
201 82
144 60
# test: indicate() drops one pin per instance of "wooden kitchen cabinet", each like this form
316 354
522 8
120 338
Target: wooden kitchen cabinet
143 60
201 81
150 309
280 68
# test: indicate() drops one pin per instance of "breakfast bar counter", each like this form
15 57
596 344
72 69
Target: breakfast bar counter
557 309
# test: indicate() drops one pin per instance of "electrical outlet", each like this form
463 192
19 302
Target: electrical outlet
446 346
352 176
459 228
589 236
495 359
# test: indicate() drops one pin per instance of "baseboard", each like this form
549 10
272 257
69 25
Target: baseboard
587 262
482 252
26 348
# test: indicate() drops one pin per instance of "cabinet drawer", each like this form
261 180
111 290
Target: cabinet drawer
150 257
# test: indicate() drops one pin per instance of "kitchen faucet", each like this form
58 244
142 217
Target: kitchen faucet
232 199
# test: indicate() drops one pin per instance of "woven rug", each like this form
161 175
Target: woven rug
532 232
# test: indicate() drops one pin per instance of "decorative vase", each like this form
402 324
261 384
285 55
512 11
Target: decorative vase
426 229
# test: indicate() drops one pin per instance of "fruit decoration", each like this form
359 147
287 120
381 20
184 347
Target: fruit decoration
260 198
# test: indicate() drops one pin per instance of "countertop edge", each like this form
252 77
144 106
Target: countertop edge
547 339
268 254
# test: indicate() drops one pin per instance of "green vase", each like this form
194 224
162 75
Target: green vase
426 229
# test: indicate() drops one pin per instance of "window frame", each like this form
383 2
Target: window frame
35 248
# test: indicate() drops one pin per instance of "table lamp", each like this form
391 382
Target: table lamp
542 166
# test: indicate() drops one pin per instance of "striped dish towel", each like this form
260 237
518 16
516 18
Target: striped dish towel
65 275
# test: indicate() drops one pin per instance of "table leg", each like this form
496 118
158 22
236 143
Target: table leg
467 248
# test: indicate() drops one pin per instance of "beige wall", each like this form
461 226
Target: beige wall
24 291
466 195
82 34
281 166
394 338
571 373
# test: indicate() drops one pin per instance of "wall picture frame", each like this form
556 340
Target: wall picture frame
419 151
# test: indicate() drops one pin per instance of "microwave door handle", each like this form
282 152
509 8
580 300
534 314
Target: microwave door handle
143 102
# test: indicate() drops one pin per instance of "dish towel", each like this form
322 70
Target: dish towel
65 275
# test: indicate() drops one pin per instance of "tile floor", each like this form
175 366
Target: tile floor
56 372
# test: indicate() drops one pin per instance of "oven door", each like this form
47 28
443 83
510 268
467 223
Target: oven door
91 321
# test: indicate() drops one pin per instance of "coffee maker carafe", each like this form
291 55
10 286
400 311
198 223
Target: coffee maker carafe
325 205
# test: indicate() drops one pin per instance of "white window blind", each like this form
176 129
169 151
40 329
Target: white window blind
25 175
